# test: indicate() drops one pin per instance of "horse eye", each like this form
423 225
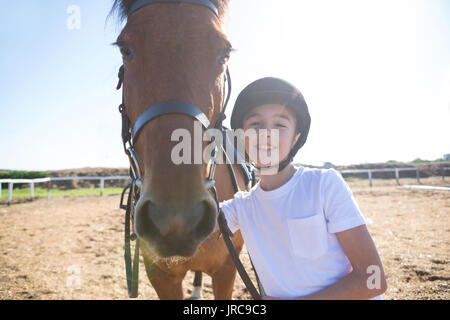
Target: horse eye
224 56
127 52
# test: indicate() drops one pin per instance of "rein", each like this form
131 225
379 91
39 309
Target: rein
129 137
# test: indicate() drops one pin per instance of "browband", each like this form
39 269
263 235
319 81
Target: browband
207 3
168 107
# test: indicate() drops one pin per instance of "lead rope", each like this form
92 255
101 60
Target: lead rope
226 233
131 265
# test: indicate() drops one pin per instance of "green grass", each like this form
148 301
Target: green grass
42 192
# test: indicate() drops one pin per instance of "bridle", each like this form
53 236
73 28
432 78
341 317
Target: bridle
130 135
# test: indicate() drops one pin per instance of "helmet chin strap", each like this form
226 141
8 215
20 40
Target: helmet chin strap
280 166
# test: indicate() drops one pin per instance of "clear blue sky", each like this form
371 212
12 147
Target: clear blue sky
375 74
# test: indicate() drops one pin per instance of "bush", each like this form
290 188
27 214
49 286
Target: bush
22 175
418 160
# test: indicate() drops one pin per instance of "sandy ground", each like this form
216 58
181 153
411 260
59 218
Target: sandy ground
72 248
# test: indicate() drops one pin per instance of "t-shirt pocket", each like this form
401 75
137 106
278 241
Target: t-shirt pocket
308 236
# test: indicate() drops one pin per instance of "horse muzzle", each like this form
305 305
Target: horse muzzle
175 230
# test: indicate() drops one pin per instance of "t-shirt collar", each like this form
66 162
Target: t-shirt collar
259 192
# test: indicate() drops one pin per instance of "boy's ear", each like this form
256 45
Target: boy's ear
296 138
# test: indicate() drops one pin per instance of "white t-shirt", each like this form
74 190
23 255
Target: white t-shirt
289 231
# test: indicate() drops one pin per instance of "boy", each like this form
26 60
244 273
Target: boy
302 227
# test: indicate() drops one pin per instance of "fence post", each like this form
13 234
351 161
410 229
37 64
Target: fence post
397 176
32 190
10 192
1 187
418 176
102 185
370 178
48 189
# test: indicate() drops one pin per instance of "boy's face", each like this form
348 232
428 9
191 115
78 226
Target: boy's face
268 144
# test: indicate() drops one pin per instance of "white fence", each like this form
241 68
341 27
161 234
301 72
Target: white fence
32 182
395 170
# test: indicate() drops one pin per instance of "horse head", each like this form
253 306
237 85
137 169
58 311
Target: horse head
173 51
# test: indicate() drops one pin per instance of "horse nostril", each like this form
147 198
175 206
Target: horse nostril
207 222
144 224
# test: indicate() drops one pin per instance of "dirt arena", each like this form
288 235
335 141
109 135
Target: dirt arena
73 248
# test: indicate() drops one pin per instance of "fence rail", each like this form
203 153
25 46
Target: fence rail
32 182
49 180
395 170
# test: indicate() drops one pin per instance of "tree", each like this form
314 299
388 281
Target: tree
328 165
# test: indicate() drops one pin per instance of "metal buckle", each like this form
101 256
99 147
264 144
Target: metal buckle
134 163
124 206
211 166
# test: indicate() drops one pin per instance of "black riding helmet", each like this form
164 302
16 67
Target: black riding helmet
274 91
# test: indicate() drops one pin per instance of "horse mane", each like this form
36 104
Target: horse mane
122 8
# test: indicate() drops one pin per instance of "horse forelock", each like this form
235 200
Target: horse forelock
123 7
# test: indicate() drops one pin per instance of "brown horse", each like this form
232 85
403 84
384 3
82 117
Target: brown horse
171 52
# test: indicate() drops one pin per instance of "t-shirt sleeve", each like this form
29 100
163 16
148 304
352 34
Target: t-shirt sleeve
339 205
230 211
